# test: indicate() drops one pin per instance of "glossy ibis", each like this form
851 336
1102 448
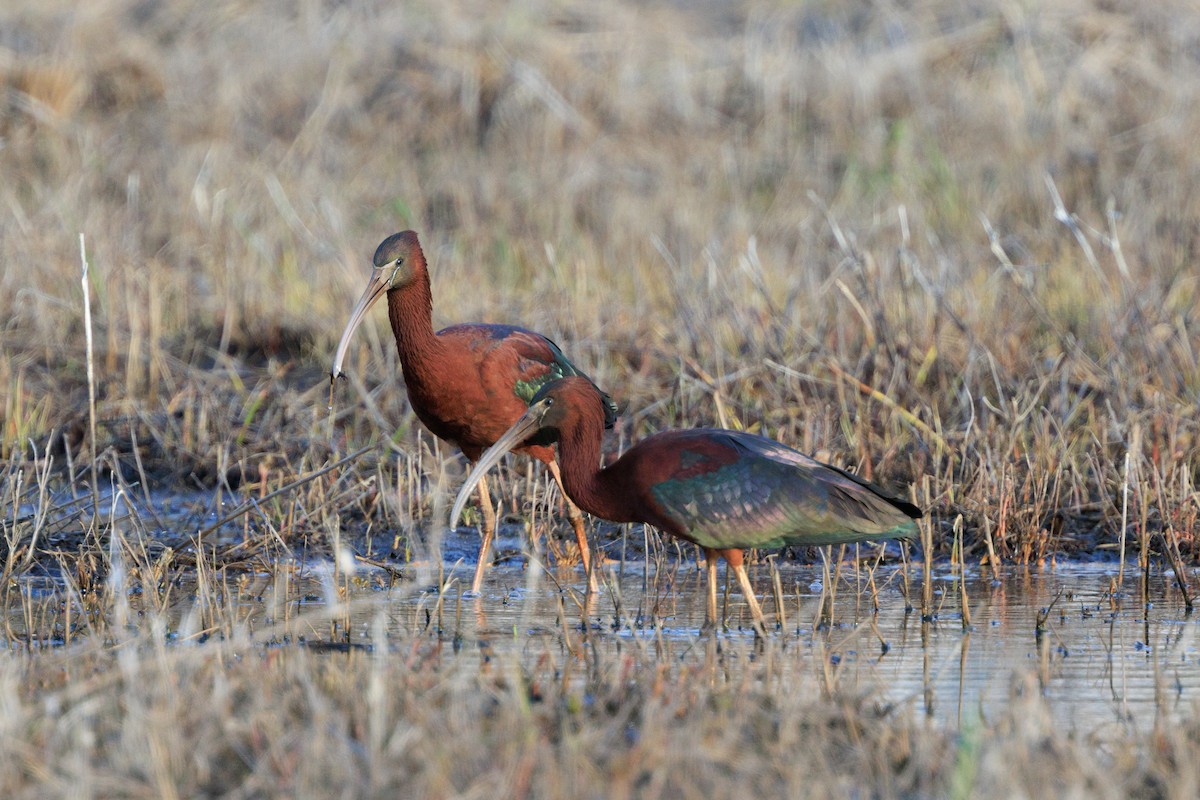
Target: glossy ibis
467 383
724 490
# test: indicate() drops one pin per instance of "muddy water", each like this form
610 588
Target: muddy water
1100 658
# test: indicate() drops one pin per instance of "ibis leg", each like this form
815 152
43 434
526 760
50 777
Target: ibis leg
710 569
576 518
489 530
734 557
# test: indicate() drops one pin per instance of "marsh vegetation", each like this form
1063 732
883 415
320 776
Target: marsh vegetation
949 246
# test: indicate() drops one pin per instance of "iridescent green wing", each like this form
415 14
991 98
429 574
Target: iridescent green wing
737 490
543 361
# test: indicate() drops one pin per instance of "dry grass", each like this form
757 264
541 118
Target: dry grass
952 246
211 695
838 225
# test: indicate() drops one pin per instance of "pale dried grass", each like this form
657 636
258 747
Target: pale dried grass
835 223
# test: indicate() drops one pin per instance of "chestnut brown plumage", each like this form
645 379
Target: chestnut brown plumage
724 490
467 383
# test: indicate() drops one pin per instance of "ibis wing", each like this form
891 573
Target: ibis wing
764 494
540 361
533 359
543 361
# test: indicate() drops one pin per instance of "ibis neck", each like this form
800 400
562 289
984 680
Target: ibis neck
410 310
593 489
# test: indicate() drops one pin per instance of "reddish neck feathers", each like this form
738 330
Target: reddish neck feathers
593 489
410 310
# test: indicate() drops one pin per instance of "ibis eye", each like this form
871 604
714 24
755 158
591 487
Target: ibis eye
549 401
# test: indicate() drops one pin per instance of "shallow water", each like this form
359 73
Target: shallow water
1102 658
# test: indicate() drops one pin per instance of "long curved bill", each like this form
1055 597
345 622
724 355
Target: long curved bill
521 430
376 288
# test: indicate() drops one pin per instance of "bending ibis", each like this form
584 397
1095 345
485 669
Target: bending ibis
467 383
723 490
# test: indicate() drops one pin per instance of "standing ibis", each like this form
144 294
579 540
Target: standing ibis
468 383
723 490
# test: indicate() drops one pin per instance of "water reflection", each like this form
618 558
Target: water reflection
1099 657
